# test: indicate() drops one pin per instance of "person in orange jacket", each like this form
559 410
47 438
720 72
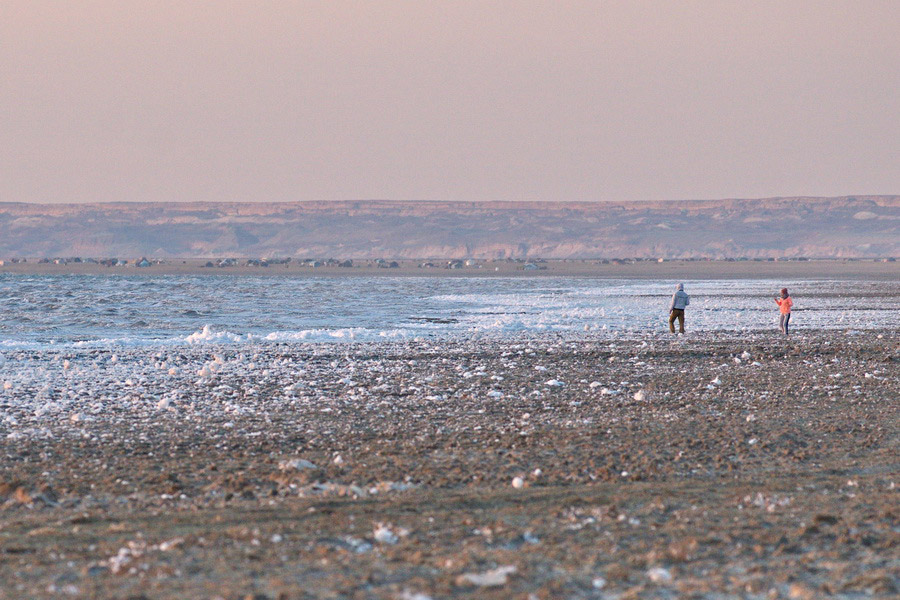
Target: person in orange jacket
784 303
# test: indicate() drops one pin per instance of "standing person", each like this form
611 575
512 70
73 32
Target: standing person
676 308
784 303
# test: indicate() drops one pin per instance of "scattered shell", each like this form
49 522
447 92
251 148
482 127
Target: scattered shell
384 535
296 464
493 578
659 575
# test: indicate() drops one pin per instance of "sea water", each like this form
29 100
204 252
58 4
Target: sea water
54 311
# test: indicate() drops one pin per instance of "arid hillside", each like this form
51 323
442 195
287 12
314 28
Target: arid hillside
860 226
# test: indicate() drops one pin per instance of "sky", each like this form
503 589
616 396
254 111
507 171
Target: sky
225 100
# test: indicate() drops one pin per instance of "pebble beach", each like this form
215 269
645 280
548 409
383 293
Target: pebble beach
711 465
410 300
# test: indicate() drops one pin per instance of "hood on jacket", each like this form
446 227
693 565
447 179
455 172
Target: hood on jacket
679 287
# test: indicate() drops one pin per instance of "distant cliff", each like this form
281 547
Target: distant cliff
859 226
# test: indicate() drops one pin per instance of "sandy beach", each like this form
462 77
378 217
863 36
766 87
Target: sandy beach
713 465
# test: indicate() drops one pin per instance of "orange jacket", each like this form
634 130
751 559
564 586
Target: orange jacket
785 304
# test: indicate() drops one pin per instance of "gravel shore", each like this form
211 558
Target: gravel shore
726 465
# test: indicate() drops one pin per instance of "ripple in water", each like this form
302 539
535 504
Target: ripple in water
140 310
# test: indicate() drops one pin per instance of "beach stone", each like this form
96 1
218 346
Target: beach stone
96 570
799 591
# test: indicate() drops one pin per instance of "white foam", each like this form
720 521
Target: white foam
362 310
347 334
208 335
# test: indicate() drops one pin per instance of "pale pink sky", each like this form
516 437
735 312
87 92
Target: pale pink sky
455 100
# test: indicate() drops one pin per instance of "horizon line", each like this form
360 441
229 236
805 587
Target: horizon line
433 201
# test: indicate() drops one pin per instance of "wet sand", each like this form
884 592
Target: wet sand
863 269
705 466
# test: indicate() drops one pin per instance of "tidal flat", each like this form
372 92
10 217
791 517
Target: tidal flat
711 465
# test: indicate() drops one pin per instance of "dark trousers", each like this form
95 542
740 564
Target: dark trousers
783 322
677 313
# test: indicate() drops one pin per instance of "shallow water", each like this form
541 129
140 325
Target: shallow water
40 311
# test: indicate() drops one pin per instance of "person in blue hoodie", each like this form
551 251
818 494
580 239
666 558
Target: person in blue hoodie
680 300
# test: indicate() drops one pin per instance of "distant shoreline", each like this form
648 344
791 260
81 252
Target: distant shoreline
847 269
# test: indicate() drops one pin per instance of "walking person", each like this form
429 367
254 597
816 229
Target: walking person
784 304
680 300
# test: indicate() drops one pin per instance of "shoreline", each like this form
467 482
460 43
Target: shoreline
838 269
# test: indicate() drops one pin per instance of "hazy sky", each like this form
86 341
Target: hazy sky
453 100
